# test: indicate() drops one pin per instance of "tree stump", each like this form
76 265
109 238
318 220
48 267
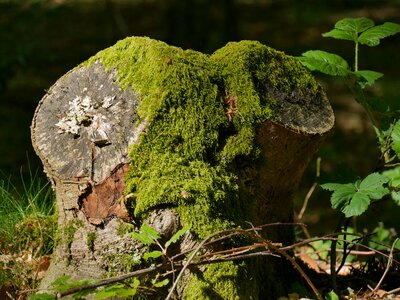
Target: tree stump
147 132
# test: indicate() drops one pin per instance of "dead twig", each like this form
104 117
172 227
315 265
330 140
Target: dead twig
389 264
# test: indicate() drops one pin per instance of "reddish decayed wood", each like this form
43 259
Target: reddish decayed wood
104 200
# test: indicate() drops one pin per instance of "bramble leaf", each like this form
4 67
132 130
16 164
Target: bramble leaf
394 177
356 25
372 185
366 78
325 62
42 296
61 280
342 193
349 28
161 283
117 290
372 36
146 235
396 138
152 254
358 205
340 35
332 296
396 197
354 198
176 236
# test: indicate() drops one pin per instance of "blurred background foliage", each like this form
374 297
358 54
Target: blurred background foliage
41 40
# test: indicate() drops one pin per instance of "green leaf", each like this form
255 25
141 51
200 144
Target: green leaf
42 296
358 205
340 35
342 193
356 25
146 235
396 138
349 28
366 78
332 296
152 254
353 199
161 283
61 280
116 290
394 177
372 185
325 62
396 197
177 236
372 36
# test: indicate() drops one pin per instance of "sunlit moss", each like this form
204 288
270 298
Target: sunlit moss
202 114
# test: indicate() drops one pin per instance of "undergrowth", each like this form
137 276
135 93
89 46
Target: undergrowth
27 229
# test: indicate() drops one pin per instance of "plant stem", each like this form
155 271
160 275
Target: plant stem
356 57
333 255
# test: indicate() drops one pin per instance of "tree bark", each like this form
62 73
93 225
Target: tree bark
83 130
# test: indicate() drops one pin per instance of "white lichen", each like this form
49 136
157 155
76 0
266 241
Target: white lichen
82 111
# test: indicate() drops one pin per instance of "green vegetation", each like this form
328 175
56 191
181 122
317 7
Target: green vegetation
28 223
90 239
355 197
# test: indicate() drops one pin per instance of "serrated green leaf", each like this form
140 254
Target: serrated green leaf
355 25
161 283
367 78
151 232
146 235
144 239
325 62
395 135
357 205
349 28
340 35
152 254
372 186
353 199
394 177
117 290
42 296
177 236
372 36
396 197
61 280
342 193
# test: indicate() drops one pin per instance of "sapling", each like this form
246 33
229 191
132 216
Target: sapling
353 198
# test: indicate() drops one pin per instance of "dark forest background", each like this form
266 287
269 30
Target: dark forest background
41 40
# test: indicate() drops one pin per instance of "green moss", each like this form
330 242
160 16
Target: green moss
202 113
227 281
118 263
68 236
124 228
90 239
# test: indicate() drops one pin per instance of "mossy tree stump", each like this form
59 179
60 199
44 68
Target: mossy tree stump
146 132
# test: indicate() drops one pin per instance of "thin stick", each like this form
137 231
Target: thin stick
297 266
171 291
389 264
310 191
